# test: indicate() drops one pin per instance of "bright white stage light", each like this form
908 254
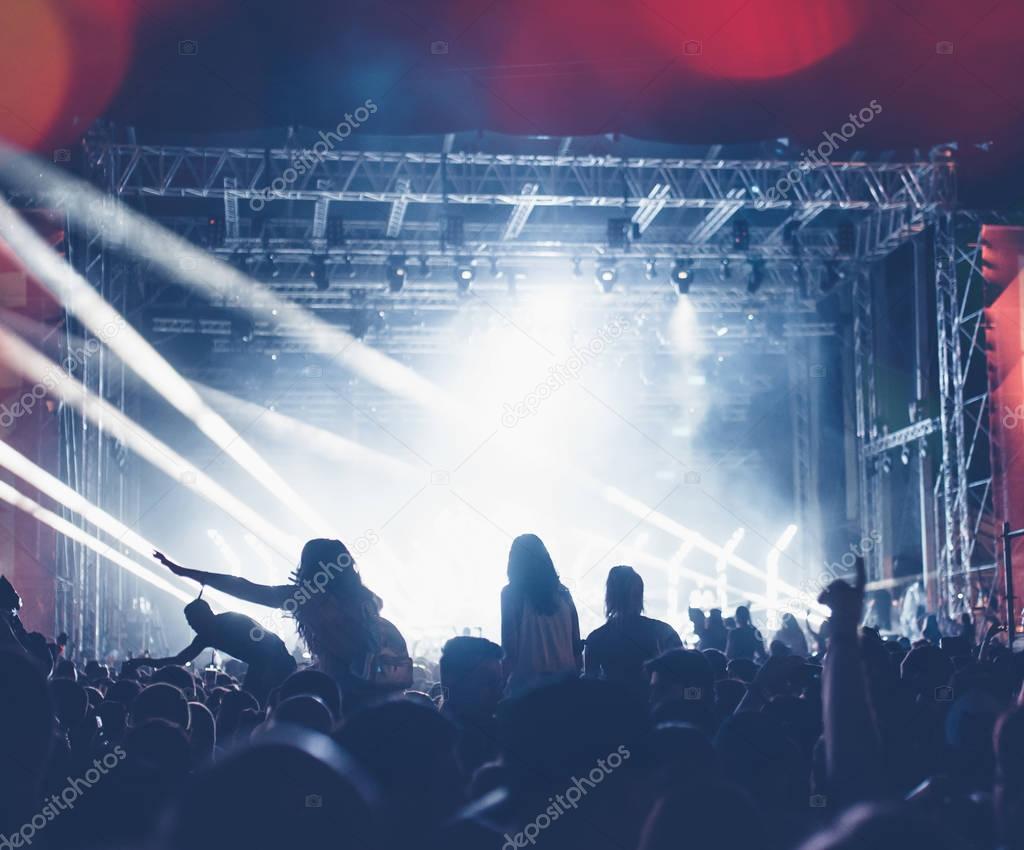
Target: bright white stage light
659 520
721 564
73 532
183 262
75 293
323 443
52 380
772 584
44 482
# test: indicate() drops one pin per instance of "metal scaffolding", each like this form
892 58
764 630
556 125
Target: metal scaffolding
352 210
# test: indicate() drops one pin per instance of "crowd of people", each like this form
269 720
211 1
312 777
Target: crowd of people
837 738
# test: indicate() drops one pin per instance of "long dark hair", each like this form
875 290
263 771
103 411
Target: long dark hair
531 574
623 592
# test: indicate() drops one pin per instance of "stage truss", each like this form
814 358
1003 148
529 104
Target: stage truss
352 210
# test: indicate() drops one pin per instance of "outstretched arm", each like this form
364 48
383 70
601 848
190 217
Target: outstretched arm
189 653
273 596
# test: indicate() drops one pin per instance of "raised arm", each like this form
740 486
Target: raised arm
273 596
189 653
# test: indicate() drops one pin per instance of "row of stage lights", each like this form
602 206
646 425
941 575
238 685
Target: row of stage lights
397 271
606 272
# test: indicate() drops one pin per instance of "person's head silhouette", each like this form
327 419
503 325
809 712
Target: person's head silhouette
624 592
200 615
531 572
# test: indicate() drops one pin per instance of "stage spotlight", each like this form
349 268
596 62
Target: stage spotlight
756 278
720 329
394 270
606 274
464 274
651 269
318 273
269 267
740 235
682 276
243 329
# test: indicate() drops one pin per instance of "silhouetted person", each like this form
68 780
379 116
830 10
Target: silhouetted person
337 616
617 650
472 683
744 641
540 630
792 636
240 637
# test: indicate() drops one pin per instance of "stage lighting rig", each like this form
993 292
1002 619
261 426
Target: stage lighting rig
464 275
395 272
681 276
605 274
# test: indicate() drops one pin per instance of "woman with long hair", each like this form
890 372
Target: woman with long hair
540 630
337 616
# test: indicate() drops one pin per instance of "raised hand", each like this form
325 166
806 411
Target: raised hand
846 602
177 569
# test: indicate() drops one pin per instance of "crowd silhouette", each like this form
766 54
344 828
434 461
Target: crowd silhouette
842 737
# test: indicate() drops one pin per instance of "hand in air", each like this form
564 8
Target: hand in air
846 602
177 569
